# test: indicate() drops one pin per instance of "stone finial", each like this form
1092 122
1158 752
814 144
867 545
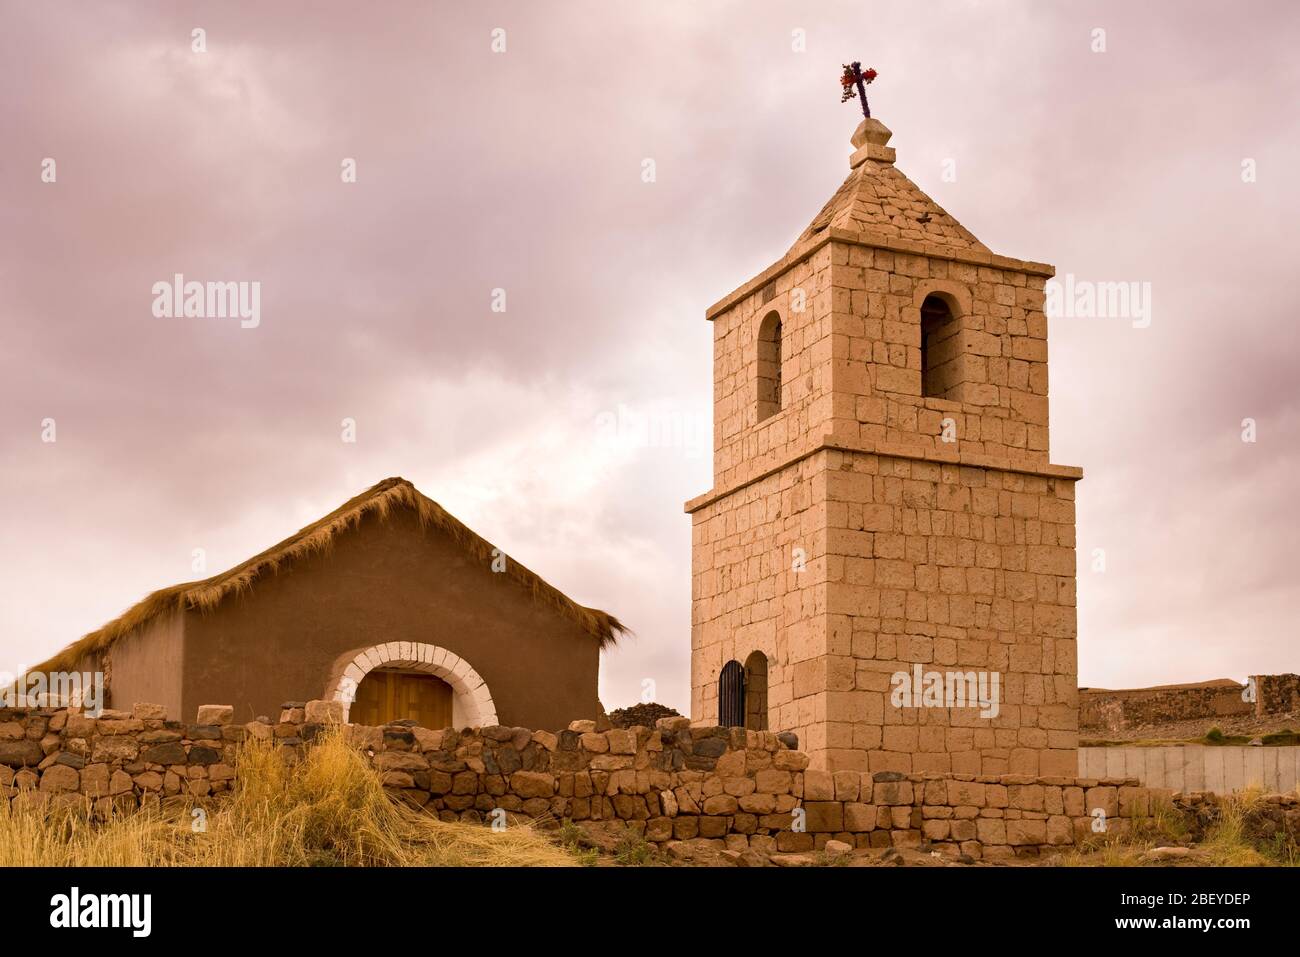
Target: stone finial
323 712
869 141
216 714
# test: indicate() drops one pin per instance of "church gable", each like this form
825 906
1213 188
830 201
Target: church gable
387 498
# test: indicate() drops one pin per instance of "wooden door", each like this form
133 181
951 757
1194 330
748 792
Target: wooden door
385 696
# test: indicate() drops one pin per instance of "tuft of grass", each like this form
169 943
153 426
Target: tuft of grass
1105 854
571 838
822 859
1229 843
633 851
1226 842
325 809
1166 823
1284 738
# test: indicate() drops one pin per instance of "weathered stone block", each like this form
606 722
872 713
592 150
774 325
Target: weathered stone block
17 754
824 816
818 786
215 714
530 784
316 712
1023 832
58 778
859 817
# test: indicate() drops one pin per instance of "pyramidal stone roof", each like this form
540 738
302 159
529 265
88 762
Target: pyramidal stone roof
877 206
877 199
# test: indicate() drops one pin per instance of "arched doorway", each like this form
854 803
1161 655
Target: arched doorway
385 695
471 700
756 692
731 696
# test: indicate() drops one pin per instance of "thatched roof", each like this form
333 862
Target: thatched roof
381 501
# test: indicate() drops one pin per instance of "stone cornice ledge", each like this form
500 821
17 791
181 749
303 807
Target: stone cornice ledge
830 443
974 257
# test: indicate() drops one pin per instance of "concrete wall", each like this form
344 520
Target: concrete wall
1197 767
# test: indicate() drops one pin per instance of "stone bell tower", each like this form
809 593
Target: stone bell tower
885 564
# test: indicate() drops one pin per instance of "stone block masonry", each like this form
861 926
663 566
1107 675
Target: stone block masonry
894 504
742 789
906 562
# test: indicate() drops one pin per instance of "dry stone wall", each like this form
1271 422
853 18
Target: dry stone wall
1114 712
1104 711
1273 819
122 760
1275 694
743 789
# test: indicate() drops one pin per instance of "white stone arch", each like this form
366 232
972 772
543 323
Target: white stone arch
471 702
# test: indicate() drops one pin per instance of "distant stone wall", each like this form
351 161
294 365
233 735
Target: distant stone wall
1122 711
671 782
1277 694
1119 711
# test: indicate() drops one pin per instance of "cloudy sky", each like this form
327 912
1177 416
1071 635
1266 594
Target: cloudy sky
522 171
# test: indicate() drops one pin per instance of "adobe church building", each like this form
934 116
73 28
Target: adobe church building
883 497
388 600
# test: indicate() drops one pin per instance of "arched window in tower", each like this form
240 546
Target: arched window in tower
731 696
756 692
769 366
939 371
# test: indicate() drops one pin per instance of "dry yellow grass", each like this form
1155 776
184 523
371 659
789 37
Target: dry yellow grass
1228 844
329 809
